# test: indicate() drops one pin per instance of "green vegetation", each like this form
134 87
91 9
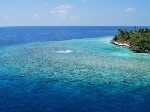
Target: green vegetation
137 40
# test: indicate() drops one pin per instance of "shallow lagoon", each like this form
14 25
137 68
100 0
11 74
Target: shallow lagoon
80 75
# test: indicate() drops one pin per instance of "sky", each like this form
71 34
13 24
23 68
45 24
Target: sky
74 12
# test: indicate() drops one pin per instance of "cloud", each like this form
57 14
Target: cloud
130 10
61 10
35 15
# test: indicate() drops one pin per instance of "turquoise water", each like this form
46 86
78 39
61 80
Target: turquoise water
78 75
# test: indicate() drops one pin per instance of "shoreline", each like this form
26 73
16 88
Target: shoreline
128 46
121 44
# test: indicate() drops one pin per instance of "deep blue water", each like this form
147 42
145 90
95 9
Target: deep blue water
20 35
71 69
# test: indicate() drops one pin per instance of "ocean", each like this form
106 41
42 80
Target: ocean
71 69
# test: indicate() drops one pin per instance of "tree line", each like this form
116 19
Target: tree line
138 40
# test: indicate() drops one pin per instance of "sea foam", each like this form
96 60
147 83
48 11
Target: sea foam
66 51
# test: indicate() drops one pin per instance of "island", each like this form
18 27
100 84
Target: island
136 40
